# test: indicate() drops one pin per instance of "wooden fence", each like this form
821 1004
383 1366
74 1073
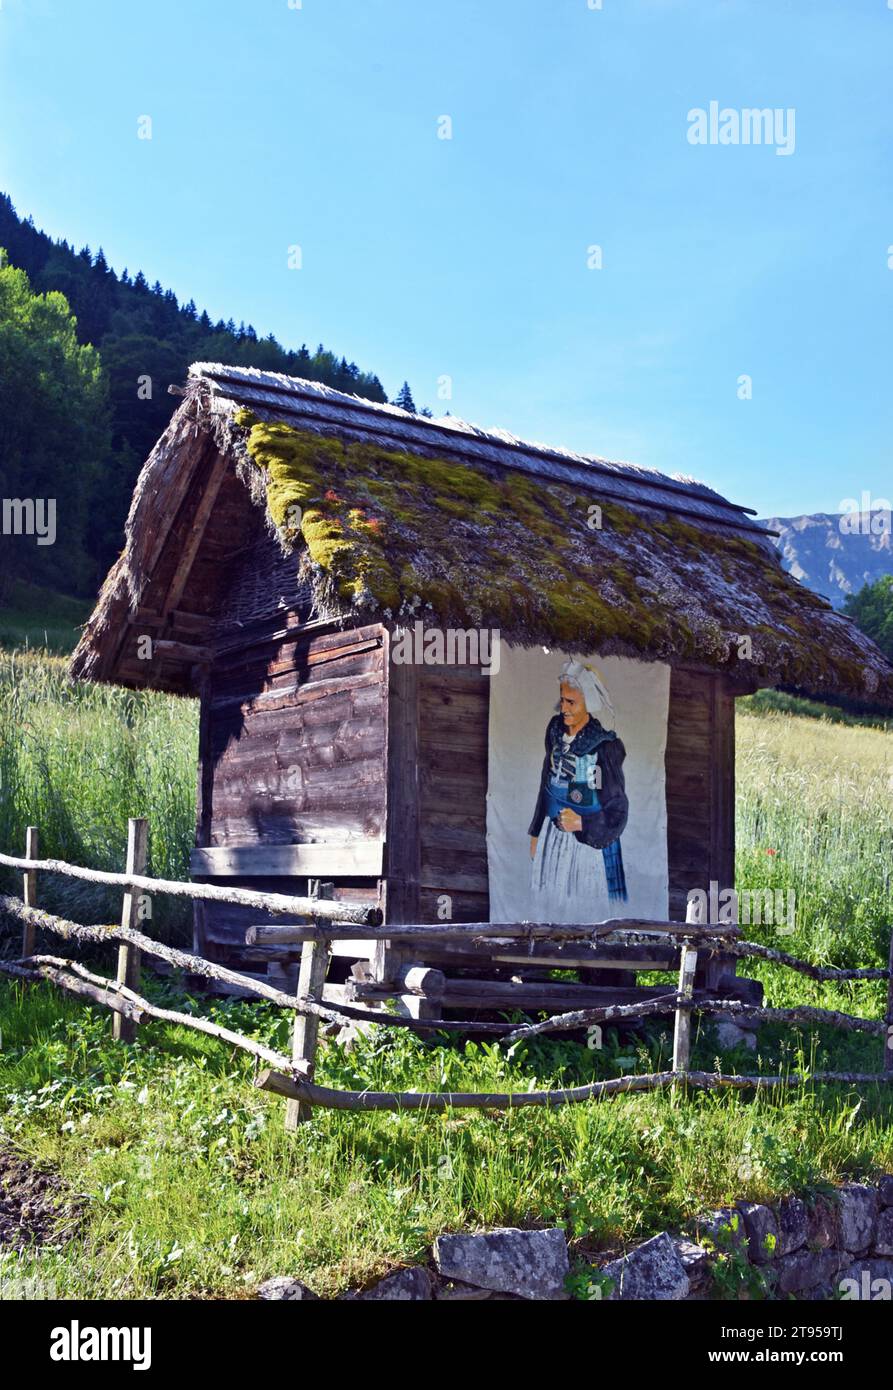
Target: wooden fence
293 1077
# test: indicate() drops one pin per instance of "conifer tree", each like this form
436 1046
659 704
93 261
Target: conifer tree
404 399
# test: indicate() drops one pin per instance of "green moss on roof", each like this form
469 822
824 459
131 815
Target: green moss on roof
390 528
397 532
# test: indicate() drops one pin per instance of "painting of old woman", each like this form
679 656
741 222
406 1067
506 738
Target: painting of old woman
581 808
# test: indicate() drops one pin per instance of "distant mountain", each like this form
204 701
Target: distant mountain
835 555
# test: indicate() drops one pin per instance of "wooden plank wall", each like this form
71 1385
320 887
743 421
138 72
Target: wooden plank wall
295 737
700 776
454 706
292 750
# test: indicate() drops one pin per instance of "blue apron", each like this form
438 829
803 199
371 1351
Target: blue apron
583 800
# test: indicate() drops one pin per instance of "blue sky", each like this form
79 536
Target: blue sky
423 257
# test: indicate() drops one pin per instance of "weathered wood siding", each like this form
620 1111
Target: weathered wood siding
295 739
454 705
292 751
700 774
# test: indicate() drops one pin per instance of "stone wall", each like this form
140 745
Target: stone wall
835 1246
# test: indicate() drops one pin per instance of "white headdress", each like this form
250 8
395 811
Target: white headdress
590 683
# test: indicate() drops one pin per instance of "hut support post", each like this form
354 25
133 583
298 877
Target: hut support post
311 978
888 1036
29 890
682 1030
688 965
123 1028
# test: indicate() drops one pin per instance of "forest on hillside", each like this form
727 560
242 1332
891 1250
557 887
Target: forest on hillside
86 357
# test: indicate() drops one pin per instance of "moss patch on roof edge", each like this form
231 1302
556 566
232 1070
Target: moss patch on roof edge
398 534
364 512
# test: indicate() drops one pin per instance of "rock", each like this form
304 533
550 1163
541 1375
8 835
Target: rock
281 1286
405 1285
761 1229
867 1280
805 1269
885 1190
792 1216
697 1262
826 1292
730 1035
725 1228
857 1216
533 1264
653 1270
883 1240
821 1226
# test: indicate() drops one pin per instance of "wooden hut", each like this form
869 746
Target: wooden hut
284 539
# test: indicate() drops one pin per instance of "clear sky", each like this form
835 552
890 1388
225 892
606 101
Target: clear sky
274 126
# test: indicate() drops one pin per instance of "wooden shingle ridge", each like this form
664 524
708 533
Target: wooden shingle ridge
318 407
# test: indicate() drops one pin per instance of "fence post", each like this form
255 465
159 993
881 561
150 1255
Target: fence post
29 887
124 1029
311 978
888 1036
688 964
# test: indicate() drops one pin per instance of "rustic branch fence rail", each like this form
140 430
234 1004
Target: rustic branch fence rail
292 1077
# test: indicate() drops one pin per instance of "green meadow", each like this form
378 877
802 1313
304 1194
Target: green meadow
185 1181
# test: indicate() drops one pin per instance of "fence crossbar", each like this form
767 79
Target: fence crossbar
276 903
331 1099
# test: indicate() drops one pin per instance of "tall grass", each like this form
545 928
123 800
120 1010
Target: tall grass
77 759
815 814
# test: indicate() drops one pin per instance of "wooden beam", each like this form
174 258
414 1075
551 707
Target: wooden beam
420 980
553 956
548 994
350 859
288 905
167 648
196 530
196 622
175 483
283 1085
498 934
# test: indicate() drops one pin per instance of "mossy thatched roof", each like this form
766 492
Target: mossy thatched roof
389 516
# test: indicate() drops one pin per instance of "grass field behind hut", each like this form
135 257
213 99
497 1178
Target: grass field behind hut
184 1178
